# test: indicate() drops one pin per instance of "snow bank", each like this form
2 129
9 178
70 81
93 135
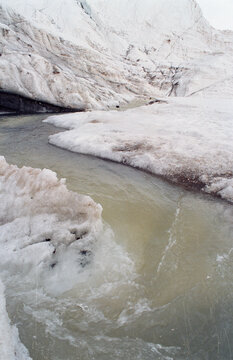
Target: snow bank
101 53
186 140
43 226
10 346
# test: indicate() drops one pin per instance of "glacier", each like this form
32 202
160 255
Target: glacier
98 54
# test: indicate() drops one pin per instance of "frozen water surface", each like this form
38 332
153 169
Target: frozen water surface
158 284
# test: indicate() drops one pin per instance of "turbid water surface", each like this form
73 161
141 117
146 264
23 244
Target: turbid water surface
160 284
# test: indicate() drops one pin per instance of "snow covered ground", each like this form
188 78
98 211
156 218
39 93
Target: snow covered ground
186 140
100 53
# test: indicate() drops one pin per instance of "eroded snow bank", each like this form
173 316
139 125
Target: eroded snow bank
47 235
186 140
10 346
44 228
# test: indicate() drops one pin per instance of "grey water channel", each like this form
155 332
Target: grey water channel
160 285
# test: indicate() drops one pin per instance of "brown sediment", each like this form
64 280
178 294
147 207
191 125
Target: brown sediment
136 146
187 180
95 122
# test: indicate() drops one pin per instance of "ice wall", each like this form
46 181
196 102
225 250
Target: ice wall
100 53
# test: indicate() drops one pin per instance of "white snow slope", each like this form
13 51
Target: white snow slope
99 53
186 140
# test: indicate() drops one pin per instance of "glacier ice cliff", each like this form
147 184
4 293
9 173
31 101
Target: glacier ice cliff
99 53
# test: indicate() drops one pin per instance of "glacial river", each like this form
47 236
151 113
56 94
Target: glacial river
160 285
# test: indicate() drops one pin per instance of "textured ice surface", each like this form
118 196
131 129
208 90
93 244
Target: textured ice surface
99 53
44 227
10 346
187 140
47 234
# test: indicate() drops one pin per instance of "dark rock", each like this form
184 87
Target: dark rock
53 265
86 257
85 252
23 105
156 101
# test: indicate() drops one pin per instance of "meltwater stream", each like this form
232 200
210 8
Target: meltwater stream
160 284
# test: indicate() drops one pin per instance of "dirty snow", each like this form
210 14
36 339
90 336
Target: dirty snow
186 140
44 227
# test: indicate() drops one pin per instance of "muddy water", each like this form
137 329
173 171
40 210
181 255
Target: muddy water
160 285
